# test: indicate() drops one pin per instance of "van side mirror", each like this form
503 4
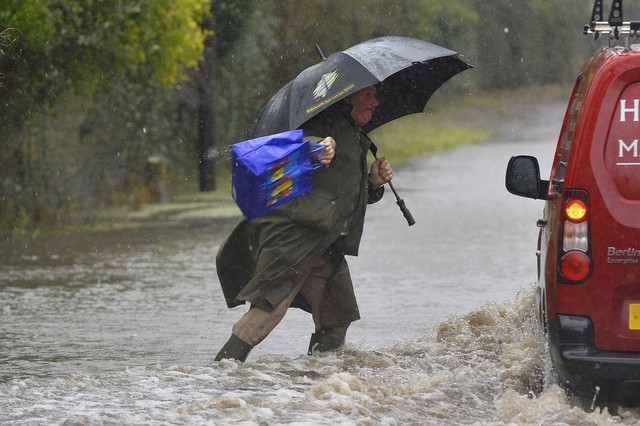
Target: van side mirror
523 178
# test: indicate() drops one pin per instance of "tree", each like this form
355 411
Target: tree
81 45
536 42
444 23
81 48
224 26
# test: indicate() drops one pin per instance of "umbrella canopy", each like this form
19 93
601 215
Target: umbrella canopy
410 71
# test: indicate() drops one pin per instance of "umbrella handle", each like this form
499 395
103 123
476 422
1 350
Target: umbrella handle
403 208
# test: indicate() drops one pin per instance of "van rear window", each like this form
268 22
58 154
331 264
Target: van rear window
622 148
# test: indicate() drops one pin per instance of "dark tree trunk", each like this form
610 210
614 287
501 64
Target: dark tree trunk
206 123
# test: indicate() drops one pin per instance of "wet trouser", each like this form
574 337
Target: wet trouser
256 323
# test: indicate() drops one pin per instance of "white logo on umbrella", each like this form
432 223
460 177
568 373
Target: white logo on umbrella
325 83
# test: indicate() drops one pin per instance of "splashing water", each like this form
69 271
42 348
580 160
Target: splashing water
486 367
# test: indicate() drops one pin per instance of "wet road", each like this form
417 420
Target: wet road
122 327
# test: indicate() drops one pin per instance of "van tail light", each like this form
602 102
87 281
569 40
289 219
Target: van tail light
575 210
576 236
575 264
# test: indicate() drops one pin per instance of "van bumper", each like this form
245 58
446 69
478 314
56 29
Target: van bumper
581 366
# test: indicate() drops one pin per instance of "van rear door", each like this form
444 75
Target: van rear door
614 190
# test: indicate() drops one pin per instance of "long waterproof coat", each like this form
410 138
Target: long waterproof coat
264 259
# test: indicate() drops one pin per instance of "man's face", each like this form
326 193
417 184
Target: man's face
363 103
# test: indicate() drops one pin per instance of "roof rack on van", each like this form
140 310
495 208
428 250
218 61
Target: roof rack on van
615 26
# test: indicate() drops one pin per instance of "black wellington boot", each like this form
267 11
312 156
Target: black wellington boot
325 341
235 348
313 343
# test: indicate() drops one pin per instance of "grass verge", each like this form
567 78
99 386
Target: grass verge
409 137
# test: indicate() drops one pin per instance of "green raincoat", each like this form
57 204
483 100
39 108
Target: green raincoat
263 260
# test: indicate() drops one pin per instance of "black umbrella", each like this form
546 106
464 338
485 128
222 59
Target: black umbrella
410 71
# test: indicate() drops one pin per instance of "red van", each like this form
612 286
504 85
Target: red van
589 242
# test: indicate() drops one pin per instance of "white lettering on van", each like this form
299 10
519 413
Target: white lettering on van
631 150
623 147
629 251
635 110
627 255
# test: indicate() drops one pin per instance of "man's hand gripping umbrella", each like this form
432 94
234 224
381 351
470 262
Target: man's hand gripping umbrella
399 201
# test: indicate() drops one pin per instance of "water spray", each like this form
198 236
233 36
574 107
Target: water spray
595 397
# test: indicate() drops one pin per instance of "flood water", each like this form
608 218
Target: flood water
122 327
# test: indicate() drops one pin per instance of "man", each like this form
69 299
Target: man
293 255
